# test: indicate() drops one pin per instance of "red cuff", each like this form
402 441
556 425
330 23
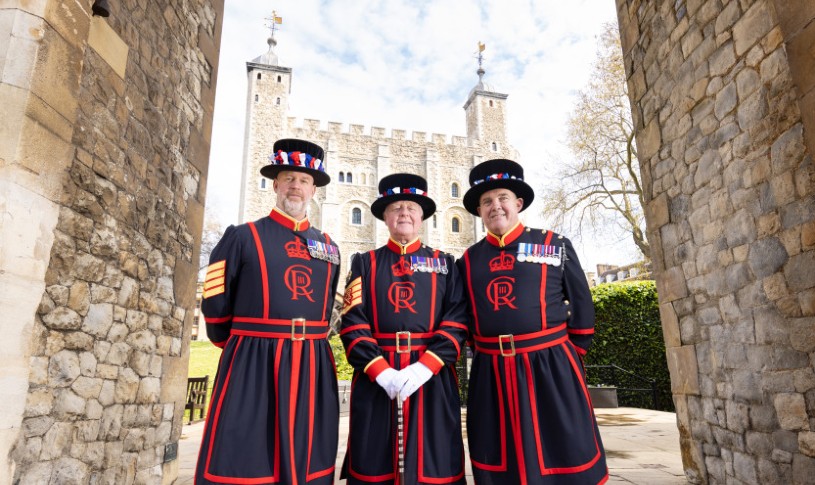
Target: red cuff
220 345
580 351
375 367
432 361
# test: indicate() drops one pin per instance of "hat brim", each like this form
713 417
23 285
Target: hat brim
426 203
521 189
321 179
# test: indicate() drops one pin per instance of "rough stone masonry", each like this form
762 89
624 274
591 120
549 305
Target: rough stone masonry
103 167
724 108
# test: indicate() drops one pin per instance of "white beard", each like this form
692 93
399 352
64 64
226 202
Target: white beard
293 208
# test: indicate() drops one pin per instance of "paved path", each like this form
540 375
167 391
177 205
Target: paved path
642 447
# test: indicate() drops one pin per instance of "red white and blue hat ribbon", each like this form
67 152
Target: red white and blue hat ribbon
297 159
402 190
497 176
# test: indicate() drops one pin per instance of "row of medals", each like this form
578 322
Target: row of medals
323 251
540 253
428 265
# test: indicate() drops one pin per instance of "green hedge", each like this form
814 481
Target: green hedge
344 370
628 333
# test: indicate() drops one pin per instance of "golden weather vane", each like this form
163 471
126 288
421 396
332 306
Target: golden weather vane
480 57
273 22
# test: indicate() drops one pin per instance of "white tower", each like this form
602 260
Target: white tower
267 105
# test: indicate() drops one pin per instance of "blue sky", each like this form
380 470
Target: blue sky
410 65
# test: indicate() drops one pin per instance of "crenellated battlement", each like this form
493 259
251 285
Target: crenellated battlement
316 128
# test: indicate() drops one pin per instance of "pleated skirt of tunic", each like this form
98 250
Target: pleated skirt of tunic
273 416
530 420
433 445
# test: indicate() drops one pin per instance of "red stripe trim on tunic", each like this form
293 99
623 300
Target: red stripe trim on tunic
263 274
215 321
433 278
296 350
404 361
470 288
277 359
448 323
581 331
544 273
420 433
370 478
326 309
522 350
278 321
359 326
502 424
287 335
593 461
533 406
510 371
356 341
452 339
523 336
372 289
384 335
310 406
214 425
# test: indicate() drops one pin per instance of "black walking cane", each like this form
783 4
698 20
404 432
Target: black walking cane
400 437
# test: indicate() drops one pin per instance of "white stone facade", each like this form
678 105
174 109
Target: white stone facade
357 158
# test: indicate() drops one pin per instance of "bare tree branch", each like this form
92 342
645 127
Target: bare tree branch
599 188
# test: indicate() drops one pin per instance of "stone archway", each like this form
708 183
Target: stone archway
724 109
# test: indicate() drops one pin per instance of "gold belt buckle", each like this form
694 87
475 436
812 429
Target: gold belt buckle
399 337
511 345
294 323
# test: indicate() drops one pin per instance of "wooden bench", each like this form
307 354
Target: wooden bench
197 396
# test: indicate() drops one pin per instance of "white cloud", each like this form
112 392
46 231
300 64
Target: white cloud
410 65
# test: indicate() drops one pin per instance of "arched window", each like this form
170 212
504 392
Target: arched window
356 216
454 190
263 183
258 75
494 147
256 98
279 79
342 177
362 179
278 101
434 221
349 178
456 225
490 103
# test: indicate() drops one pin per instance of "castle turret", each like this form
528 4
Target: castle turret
267 105
486 114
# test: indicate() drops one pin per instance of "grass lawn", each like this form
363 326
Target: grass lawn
203 361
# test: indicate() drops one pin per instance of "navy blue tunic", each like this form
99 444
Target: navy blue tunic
393 291
274 413
529 416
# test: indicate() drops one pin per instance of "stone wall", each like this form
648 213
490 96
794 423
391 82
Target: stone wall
104 173
722 100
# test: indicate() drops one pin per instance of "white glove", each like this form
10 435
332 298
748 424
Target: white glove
385 380
417 374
